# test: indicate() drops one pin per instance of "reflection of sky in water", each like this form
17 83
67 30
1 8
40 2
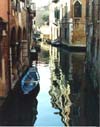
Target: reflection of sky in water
65 84
46 114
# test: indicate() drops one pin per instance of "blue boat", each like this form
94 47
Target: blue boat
30 81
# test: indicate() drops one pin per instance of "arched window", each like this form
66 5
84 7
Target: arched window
77 9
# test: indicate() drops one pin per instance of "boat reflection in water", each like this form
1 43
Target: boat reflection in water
19 109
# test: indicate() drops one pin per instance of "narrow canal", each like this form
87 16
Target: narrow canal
65 96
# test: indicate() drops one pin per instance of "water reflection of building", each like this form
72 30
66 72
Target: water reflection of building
72 65
93 42
60 89
65 90
19 109
60 100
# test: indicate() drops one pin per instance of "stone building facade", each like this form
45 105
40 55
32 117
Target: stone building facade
15 38
78 15
67 21
54 19
93 42
4 71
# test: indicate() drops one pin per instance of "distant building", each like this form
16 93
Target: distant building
54 19
68 21
45 32
93 41
77 16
